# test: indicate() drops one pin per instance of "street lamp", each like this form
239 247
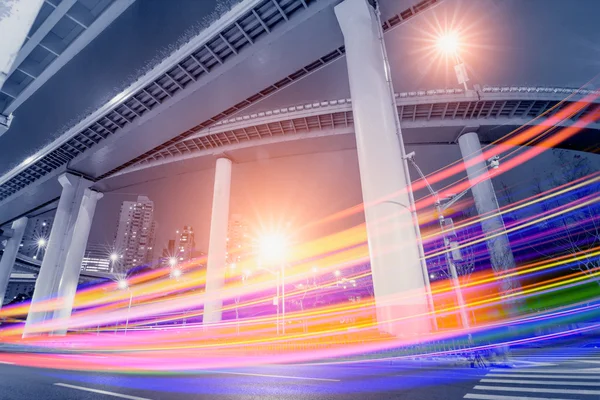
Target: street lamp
41 244
123 285
449 44
272 250
172 261
114 258
176 273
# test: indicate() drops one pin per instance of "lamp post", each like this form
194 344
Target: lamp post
41 244
114 258
123 285
449 44
272 250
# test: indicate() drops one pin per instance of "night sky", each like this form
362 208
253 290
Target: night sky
510 42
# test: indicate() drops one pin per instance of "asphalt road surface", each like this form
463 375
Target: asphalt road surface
539 374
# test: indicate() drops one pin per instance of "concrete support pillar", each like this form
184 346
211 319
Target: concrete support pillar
51 271
16 18
217 246
10 254
70 276
394 246
501 255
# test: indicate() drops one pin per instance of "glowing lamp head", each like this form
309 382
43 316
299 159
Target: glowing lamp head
114 257
173 261
448 43
176 273
337 273
122 284
272 248
41 242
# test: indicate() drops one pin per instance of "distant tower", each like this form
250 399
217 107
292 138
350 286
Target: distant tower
239 241
96 259
135 232
185 244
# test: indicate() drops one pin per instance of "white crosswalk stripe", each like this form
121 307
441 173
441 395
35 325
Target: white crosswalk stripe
537 383
501 397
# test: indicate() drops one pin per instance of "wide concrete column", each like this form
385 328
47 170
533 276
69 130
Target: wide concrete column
501 255
10 254
70 276
51 271
217 246
398 280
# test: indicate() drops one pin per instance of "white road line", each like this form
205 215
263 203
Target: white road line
585 361
500 397
547 371
551 383
543 376
85 389
537 390
304 378
7 362
537 363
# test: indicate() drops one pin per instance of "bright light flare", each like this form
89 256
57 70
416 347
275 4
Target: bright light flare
114 257
41 242
122 284
448 43
172 261
176 273
272 248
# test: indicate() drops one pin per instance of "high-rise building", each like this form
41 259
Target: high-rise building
36 236
97 259
169 251
185 244
239 240
136 229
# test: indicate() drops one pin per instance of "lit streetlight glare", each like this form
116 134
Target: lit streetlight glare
172 261
114 257
337 273
176 273
41 242
448 43
122 284
272 247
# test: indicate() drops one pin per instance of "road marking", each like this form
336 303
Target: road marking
85 389
526 382
305 378
585 361
548 371
7 362
499 397
542 376
537 390
537 363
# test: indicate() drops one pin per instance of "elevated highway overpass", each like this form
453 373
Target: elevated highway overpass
427 117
